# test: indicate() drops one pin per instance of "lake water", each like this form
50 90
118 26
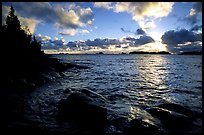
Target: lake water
129 82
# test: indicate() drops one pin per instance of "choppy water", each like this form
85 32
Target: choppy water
129 82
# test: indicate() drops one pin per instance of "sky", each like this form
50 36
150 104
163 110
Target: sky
112 27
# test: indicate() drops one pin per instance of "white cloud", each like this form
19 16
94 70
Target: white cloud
68 32
72 32
62 17
41 38
141 11
84 31
106 5
122 6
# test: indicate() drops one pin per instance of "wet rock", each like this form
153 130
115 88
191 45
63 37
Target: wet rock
145 123
141 126
120 122
177 108
96 96
172 121
66 91
83 110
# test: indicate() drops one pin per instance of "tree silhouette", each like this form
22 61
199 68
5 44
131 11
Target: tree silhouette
17 39
21 56
22 53
12 21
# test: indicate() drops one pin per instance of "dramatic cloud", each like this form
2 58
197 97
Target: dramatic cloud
180 37
106 5
98 44
142 11
103 43
182 40
144 40
140 41
192 17
72 17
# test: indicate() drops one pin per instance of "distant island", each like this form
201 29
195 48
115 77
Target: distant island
100 53
191 53
141 52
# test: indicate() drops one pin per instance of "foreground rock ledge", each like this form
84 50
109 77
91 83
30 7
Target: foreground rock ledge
83 110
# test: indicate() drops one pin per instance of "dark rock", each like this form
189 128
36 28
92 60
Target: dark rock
142 127
120 122
145 123
177 108
100 98
173 121
66 91
82 109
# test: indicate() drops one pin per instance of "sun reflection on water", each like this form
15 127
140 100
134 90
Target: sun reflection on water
153 71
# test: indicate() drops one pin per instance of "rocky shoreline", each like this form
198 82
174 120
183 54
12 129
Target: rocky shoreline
84 111
16 86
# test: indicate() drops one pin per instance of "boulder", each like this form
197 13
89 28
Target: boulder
82 109
177 108
172 121
145 123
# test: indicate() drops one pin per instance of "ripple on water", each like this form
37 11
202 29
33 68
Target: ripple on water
131 83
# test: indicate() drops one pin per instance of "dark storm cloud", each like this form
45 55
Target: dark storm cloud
180 37
57 42
139 41
72 44
182 41
144 40
102 42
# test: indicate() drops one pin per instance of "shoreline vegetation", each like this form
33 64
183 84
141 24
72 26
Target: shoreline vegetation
24 64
